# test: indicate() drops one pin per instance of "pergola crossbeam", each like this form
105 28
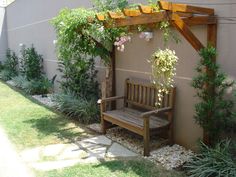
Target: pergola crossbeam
174 7
183 28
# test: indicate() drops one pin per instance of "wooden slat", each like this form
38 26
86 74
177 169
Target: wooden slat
116 15
174 7
131 12
183 28
100 17
199 20
145 9
139 20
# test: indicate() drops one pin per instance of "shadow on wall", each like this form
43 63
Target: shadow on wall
3 33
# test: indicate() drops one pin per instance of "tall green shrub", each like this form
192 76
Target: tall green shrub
214 113
32 64
10 66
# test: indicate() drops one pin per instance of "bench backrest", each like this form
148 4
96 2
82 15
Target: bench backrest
143 94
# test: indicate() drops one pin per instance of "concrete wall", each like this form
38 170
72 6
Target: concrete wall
28 22
3 33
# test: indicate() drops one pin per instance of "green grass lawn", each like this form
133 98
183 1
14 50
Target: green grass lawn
29 124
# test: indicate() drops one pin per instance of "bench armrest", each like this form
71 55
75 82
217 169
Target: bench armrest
109 99
149 113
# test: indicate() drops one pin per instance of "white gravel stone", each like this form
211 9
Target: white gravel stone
170 157
10 82
45 100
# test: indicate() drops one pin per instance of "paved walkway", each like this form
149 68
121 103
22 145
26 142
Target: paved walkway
91 150
10 163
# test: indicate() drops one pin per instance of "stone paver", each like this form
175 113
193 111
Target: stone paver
116 150
91 150
10 163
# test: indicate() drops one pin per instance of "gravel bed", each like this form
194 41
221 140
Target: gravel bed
10 82
45 100
170 157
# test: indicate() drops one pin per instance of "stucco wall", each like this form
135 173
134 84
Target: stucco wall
3 33
28 22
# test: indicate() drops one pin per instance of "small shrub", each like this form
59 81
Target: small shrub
6 75
32 64
213 162
1 66
10 66
83 110
19 81
37 87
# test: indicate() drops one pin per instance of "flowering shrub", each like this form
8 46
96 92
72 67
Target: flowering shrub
163 70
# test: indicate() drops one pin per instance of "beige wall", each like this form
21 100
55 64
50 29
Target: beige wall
28 22
3 33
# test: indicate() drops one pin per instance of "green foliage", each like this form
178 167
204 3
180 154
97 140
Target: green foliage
214 113
32 63
19 81
105 5
84 110
10 66
1 66
163 70
6 75
213 162
80 77
33 87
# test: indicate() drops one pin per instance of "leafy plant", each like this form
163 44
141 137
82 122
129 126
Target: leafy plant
213 162
163 70
37 87
10 66
1 66
84 110
214 113
19 81
105 5
6 75
32 63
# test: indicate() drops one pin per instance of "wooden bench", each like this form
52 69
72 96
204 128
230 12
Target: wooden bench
139 113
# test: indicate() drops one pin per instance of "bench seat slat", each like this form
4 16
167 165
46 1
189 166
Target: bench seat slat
131 116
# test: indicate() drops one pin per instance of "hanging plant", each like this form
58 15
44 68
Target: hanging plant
163 70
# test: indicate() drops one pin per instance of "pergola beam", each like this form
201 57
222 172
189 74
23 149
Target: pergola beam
174 7
138 20
183 28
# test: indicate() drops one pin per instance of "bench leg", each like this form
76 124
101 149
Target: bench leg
103 126
170 131
146 137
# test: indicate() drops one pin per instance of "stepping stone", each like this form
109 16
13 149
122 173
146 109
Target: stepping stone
116 150
53 150
31 155
97 151
72 152
99 140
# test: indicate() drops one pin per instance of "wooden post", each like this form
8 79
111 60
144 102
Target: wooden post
146 137
113 70
211 40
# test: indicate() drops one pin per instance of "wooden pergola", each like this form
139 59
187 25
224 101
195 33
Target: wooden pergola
180 16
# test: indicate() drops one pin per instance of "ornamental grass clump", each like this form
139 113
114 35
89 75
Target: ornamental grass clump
218 161
163 70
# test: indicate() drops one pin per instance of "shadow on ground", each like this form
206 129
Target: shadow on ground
57 126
